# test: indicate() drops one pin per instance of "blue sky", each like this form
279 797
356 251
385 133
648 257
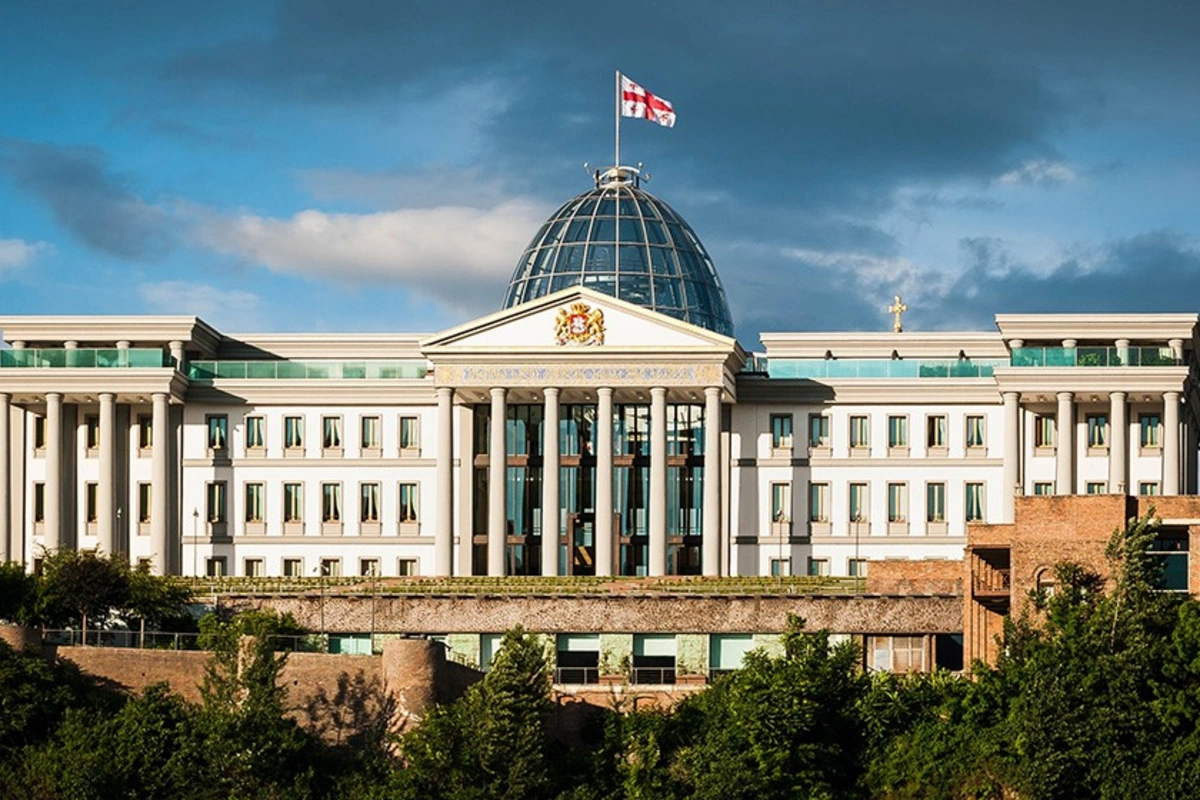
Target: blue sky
381 165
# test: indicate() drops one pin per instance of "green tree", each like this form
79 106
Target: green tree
492 743
18 593
80 584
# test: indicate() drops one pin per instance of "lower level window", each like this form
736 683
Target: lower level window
331 568
818 566
1097 487
293 568
254 568
857 567
407 567
781 567
896 653
1043 488
368 567
974 502
216 567
1147 488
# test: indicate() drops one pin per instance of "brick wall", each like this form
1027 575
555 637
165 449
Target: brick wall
901 576
440 614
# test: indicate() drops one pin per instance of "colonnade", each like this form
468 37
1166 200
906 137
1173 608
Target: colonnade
551 490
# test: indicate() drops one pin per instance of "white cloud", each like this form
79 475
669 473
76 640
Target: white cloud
15 253
1040 172
456 254
221 307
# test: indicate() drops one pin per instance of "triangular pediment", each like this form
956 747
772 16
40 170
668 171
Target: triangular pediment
577 320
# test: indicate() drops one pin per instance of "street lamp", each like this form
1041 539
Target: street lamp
195 535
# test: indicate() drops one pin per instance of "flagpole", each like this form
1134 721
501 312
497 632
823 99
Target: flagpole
617 124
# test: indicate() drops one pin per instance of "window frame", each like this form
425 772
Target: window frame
818 502
293 434
1150 436
216 502
935 501
368 445
408 513
333 441
937 433
858 502
897 432
818 431
333 509
409 434
897 501
970 514
781 502
366 503
293 512
216 427
975 431
1045 432
860 433
1096 424
259 489
255 424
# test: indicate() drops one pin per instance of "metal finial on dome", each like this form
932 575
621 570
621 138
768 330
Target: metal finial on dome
619 176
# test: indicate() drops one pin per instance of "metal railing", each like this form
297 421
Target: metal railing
577 676
657 676
203 371
1092 357
149 640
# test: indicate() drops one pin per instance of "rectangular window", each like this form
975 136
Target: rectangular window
859 502
818 502
331 568
368 567
860 433
91 502
856 567
1148 488
897 431
975 502
370 433
331 502
39 502
293 502
975 431
818 567
935 431
293 433
331 437
1043 431
406 567
255 493
408 502
781 431
145 426
215 567
144 503
215 503
781 567
1097 431
1043 488
368 502
410 438
935 502
897 494
293 568
254 568
256 438
1151 426
781 502
218 431
896 653
818 430
1096 487
39 433
91 432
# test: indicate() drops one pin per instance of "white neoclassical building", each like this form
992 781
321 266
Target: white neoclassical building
638 437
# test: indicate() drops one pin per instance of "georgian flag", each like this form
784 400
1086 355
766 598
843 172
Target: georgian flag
637 102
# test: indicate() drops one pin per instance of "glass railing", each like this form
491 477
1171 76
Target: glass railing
146 357
305 370
882 368
1092 357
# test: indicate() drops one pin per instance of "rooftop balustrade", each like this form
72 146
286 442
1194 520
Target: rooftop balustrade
1093 357
85 358
202 371
821 369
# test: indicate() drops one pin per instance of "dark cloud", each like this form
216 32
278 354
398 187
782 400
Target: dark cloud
92 203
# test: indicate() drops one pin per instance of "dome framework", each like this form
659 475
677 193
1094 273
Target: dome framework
625 242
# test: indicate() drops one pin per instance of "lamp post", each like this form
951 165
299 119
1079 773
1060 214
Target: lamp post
195 535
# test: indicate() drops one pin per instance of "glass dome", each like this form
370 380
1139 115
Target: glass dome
644 253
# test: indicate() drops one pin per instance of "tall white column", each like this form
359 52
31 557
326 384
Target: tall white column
1118 461
176 350
1065 460
550 473
106 488
5 480
711 531
604 481
1170 447
443 541
52 539
497 469
160 484
657 562
1012 455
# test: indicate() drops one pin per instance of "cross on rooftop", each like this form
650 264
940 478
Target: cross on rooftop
897 309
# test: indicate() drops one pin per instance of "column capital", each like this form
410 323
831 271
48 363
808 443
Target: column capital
1069 343
551 391
1171 397
5 397
1121 343
71 344
1118 396
498 392
18 345
604 391
1065 397
711 390
445 391
106 395
1010 396
54 395
658 391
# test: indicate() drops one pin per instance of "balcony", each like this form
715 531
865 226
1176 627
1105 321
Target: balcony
823 369
85 358
208 371
1092 357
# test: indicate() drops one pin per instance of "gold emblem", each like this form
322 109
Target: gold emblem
579 324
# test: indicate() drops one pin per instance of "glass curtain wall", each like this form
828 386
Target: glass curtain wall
685 488
631 486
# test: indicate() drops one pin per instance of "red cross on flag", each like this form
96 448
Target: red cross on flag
637 102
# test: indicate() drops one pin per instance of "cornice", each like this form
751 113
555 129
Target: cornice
1097 380
917 344
107 330
1097 327
309 392
83 384
339 346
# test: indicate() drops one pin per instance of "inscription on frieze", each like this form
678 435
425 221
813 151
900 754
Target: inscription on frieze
540 375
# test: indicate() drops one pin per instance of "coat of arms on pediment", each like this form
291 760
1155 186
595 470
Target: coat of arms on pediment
579 324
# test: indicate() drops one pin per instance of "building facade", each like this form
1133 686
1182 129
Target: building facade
604 422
